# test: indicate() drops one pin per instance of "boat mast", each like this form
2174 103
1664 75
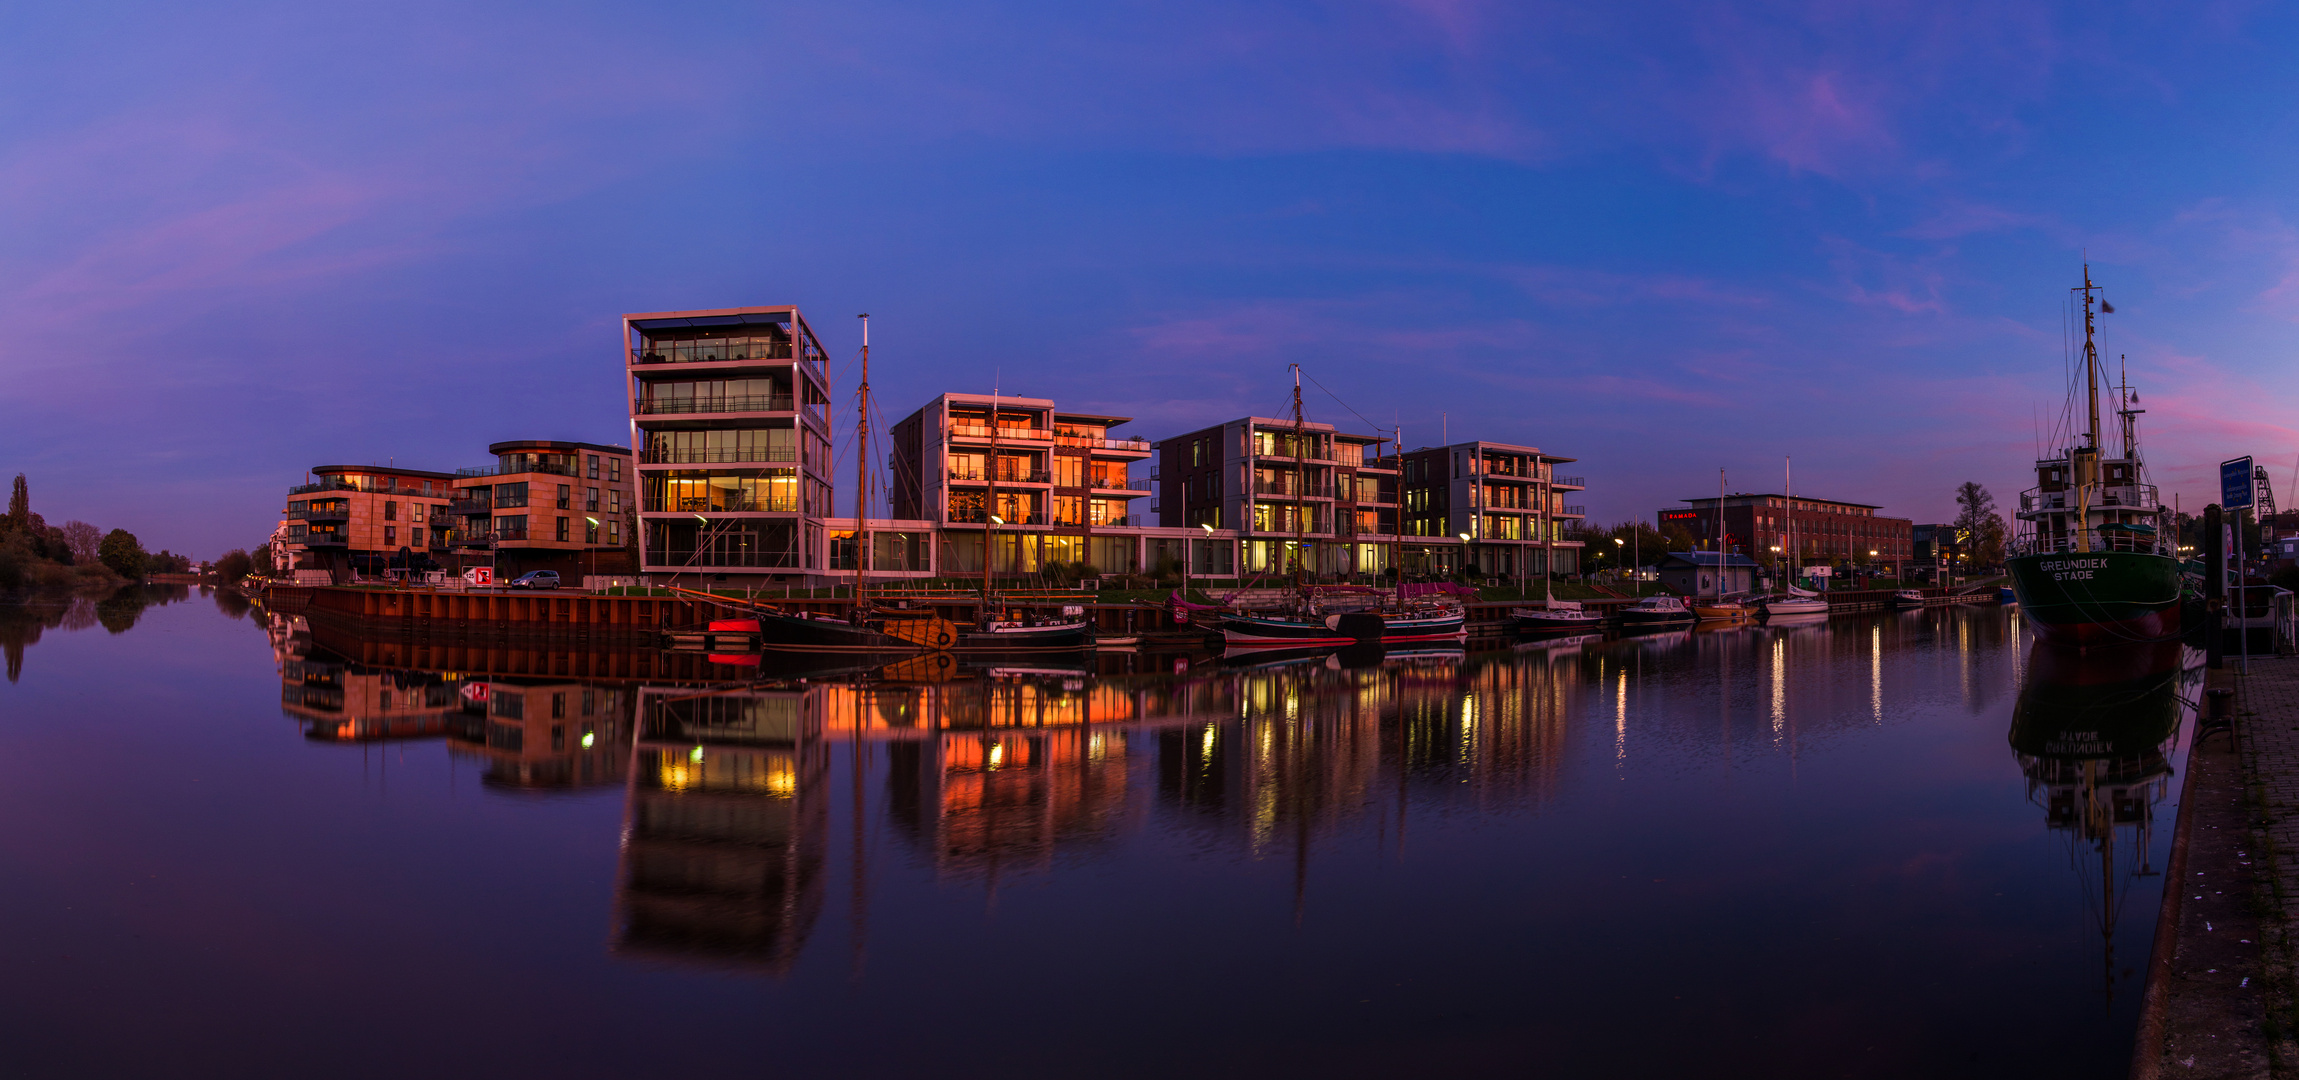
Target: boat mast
990 506
2084 462
1719 532
1788 495
862 469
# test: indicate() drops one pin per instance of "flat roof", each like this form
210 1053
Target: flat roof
1777 495
708 317
379 470
1062 414
553 444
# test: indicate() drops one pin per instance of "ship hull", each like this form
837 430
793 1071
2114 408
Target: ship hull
791 633
1403 628
1264 631
2098 597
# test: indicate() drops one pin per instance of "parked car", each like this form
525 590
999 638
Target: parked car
536 579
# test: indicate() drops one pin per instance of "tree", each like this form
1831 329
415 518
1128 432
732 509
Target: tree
1980 530
19 507
234 565
82 538
123 553
259 560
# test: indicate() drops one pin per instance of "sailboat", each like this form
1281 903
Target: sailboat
1796 603
2095 561
1717 607
1554 616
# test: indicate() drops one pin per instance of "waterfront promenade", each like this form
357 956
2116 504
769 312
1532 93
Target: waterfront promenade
2221 999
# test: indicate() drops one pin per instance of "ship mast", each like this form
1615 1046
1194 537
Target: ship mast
990 507
862 470
1300 487
2084 462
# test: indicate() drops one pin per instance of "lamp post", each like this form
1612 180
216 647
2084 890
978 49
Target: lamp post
1188 556
1617 544
592 548
1871 564
1465 553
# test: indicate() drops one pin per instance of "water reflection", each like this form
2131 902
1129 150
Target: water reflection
2094 734
24 618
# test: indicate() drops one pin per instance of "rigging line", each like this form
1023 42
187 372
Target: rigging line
1337 400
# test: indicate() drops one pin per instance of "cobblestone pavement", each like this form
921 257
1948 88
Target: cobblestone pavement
2267 705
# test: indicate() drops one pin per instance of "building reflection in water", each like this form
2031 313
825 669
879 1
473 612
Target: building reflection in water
2093 733
988 775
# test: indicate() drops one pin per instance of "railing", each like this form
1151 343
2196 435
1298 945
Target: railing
470 537
735 506
1569 481
1287 487
514 470
753 403
324 485
974 517
1574 511
982 431
1095 442
714 351
1108 483
976 476
718 455
468 508
319 515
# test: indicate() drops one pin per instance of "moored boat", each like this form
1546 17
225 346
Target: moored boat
1559 617
1723 609
1796 604
1656 613
1424 622
2095 561
1906 599
1009 635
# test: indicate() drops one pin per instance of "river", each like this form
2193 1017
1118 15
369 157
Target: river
1890 845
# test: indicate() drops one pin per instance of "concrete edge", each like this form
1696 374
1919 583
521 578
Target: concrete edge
2147 1044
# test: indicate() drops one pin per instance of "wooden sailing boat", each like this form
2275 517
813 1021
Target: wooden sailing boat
2095 560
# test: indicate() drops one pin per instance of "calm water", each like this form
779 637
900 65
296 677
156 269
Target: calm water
235 850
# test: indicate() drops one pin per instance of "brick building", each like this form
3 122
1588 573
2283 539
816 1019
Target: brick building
545 505
364 519
1507 499
1817 531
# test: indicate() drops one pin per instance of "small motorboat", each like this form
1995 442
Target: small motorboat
1559 617
2007 597
1724 609
1907 599
1656 613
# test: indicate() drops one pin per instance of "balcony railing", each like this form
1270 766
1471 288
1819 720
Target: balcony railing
1288 488
750 404
1569 481
1574 511
1117 483
713 351
337 514
514 470
330 484
974 517
718 455
470 537
469 508
1095 442
1016 477
732 506
1005 433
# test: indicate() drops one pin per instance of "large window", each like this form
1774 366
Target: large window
510 495
511 528
722 445
717 395
777 491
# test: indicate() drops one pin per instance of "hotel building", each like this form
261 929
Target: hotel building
360 517
730 417
545 505
1062 489
1506 499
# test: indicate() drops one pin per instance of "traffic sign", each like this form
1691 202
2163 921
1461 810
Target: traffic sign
2235 484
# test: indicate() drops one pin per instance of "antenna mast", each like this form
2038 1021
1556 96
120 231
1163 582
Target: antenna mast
862 470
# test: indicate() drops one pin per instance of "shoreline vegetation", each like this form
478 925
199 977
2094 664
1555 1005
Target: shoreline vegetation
76 556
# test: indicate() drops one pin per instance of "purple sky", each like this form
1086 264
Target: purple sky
244 239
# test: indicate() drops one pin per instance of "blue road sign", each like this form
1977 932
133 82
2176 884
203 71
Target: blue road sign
2235 484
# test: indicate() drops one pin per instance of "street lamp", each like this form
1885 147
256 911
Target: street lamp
1617 544
593 547
1464 553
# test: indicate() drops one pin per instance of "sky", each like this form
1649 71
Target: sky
238 240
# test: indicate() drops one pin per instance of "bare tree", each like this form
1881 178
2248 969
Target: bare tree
83 539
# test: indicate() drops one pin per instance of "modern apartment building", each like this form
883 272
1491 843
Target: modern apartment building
1312 497
363 518
730 413
1062 492
1506 499
545 505
1818 530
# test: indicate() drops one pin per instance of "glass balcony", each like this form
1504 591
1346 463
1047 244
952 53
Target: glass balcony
677 406
718 455
714 350
1005 433
1014 477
